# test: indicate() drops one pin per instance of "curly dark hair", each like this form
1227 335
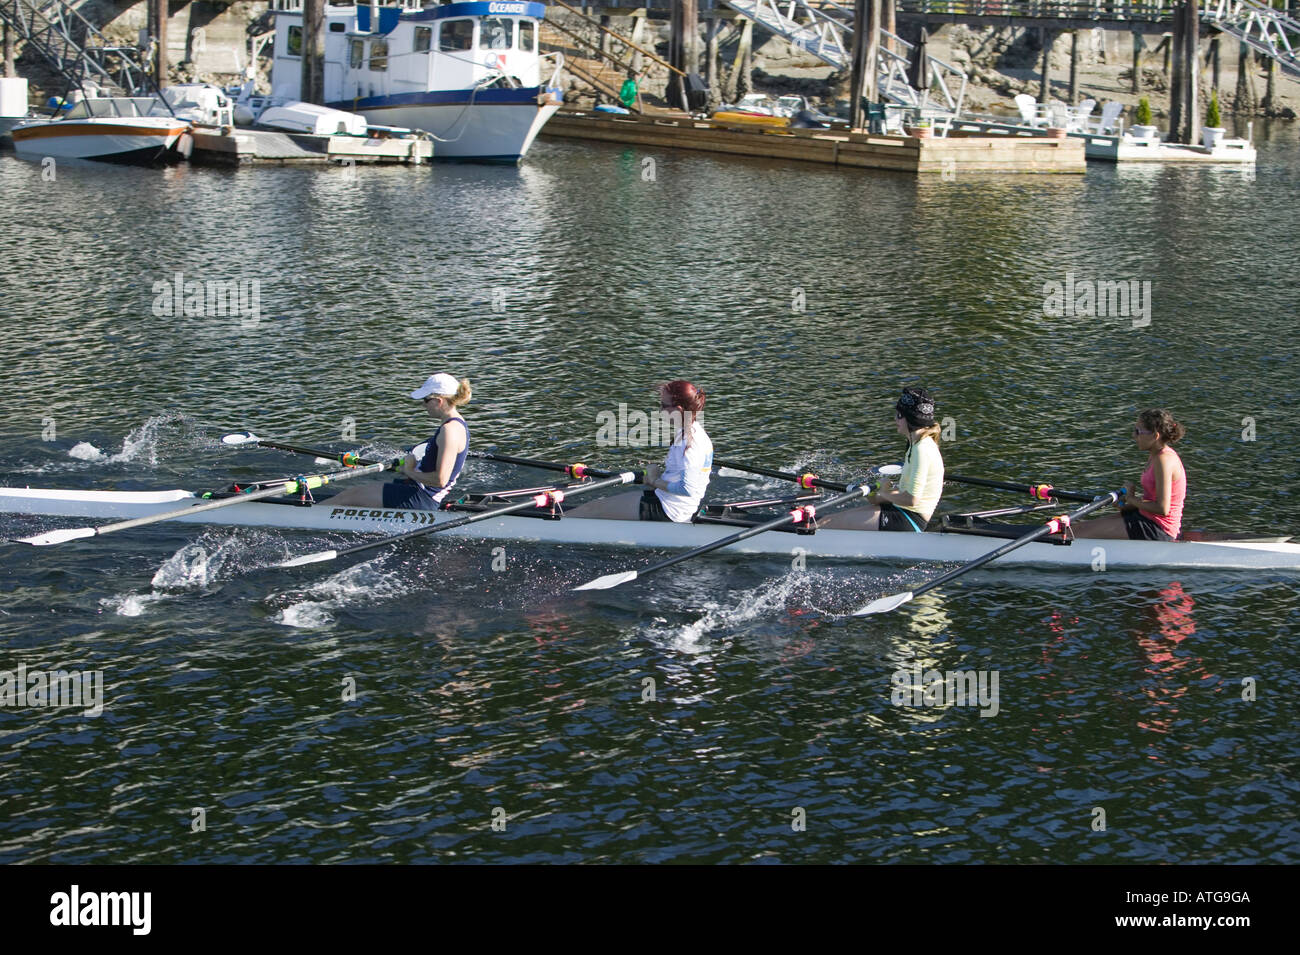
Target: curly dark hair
1162 423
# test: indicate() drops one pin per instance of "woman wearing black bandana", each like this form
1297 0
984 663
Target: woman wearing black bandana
910 505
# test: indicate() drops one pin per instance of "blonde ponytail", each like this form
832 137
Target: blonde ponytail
931 432
463 394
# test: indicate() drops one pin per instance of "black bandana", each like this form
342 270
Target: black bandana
917 407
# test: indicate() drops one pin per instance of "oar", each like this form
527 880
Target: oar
803 480
287 487
347 458
576 471
1056 524
546 498
799 514
1041 492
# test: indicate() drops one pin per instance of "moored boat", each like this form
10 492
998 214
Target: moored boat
469 73
119 129
1262 554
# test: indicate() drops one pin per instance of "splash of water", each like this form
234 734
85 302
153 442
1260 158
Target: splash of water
360 585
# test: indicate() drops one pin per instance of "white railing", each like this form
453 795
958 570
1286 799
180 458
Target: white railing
1259 26
829 37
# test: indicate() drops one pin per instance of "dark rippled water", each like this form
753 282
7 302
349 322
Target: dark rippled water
563 288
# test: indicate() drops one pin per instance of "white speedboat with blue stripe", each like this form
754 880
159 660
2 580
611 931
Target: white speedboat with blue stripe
471 74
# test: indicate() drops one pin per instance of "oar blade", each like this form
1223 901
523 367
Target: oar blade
884 604
609 581
58 537
240 437
317 558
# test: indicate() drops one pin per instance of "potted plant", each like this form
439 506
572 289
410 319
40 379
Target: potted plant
1143 129
1212 132
921 129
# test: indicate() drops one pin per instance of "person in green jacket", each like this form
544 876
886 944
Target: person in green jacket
627 95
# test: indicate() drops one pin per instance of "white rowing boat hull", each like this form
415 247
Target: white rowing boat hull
848 545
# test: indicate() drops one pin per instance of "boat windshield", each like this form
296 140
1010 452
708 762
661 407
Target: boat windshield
118 106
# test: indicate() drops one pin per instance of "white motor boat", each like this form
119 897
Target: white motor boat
121 129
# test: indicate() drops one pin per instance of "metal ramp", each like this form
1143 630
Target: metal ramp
826 31
1260 27
76 48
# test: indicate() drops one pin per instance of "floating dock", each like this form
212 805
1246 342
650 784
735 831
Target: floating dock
1108 147
238 146
910 154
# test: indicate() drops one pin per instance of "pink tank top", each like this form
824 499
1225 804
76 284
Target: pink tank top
1172 522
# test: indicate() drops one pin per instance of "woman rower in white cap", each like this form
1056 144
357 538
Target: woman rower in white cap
430 468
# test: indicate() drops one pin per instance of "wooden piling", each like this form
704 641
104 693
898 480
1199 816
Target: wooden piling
866 42
1177 48
744 69
638 25
1214 63
1138 43
1270 88
157 16
1243 99
711 60
889 22
1049 40
313 51
8 49
1192 72
1074 67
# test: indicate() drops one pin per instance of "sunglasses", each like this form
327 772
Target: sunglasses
1138 432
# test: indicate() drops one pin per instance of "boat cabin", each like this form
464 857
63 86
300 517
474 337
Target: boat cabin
385 51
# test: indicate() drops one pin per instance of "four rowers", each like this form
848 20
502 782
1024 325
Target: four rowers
675 491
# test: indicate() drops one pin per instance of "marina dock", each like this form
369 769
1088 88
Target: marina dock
910 154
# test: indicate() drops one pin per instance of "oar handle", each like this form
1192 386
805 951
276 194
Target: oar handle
803 480
576 471
1054 526
1041 492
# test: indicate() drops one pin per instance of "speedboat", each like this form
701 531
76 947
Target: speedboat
120 129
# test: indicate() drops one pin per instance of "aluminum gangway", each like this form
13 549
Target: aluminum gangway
1273 33
1260 27
76 48
826 31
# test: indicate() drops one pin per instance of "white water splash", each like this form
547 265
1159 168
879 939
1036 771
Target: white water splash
360 585
85 451
763 602
198 567
131 605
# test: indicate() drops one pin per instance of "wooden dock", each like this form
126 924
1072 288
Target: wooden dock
909 154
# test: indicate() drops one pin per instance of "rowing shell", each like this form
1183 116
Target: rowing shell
841 544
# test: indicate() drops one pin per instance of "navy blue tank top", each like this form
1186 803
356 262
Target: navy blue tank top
427 460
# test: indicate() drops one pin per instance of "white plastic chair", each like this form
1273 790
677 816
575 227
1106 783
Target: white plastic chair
1109 114
1028 107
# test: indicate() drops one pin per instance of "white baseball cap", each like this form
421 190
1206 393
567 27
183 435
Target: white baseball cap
438 384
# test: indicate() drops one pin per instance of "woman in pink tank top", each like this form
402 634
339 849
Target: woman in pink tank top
1156 514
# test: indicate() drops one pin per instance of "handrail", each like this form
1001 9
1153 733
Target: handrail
621 39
